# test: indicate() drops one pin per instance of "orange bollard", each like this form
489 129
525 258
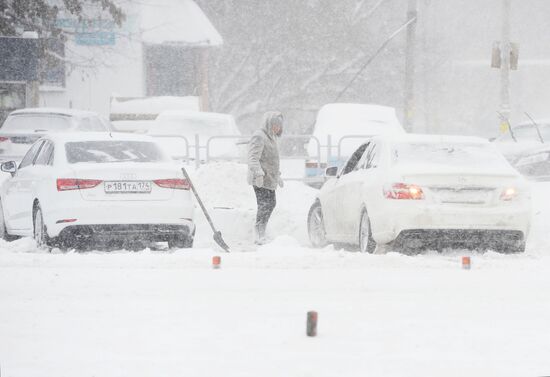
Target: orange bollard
311 328
466 263
216 262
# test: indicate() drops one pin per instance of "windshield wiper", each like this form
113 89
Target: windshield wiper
536 126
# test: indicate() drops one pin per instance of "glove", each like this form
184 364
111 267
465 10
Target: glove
281 183
259 181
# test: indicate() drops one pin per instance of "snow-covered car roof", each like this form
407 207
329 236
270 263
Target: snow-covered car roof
64 137
190 122
190 114
56 111
421 138
338 119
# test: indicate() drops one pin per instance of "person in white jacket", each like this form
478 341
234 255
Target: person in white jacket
264 169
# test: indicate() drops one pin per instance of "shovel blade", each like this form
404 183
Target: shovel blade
219 240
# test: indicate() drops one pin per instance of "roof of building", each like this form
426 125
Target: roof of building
179 22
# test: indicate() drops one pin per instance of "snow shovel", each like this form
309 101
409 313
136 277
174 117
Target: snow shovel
217 234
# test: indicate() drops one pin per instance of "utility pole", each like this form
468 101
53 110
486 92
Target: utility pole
505 62
408 117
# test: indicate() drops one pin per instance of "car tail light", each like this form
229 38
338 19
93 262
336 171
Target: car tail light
508 193
65 221
4 138
403 191
66 184
173 183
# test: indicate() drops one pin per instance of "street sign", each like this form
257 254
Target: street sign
90 32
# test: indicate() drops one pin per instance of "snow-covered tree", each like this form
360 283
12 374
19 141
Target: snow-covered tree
40 16
297 56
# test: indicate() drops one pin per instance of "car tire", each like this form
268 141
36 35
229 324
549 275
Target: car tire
366 242
40 233
3 230
515 247
316 226
181 242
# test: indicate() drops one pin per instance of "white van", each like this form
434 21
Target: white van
348 125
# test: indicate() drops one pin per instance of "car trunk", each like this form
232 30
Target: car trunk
126 181
461 186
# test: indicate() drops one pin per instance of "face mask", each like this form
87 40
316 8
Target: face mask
278 121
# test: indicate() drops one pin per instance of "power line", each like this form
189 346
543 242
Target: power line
378 51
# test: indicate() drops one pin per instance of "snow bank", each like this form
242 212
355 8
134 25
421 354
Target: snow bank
224 189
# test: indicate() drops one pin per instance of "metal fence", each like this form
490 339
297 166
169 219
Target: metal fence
311 149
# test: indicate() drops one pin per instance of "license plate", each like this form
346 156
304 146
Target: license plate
113 187
466 196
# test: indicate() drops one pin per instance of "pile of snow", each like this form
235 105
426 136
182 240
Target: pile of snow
224 189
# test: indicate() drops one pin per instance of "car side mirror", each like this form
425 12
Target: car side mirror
332 171
9 167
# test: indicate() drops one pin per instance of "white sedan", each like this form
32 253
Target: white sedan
422 190
71 189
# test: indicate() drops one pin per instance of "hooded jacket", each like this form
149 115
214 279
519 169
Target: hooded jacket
263 154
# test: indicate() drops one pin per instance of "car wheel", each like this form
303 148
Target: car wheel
39 230
3 230
515 247
316 226
366 242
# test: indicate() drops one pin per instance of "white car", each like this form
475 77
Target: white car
23 127
176 132
74 188
422 190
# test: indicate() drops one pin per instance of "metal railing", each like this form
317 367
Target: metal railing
204 149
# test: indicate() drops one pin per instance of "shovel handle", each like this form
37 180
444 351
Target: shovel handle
199 199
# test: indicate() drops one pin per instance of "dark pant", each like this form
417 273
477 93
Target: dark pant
266 203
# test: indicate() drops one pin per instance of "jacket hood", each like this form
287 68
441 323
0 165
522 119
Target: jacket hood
267 121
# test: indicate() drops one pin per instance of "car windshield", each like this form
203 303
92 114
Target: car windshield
26 123
454 154
528 133
113 151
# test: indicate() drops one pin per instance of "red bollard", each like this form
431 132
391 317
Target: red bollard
216 262
311 328
466 263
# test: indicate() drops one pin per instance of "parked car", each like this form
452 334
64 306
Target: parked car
535 165
138 114
23 127
77 188
176 131
347 124
421 190
523 139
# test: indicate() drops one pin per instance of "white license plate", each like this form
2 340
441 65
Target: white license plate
473 197
113 187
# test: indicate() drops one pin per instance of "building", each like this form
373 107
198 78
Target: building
162 49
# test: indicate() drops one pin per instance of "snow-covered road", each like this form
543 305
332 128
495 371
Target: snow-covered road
168 313
171 314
